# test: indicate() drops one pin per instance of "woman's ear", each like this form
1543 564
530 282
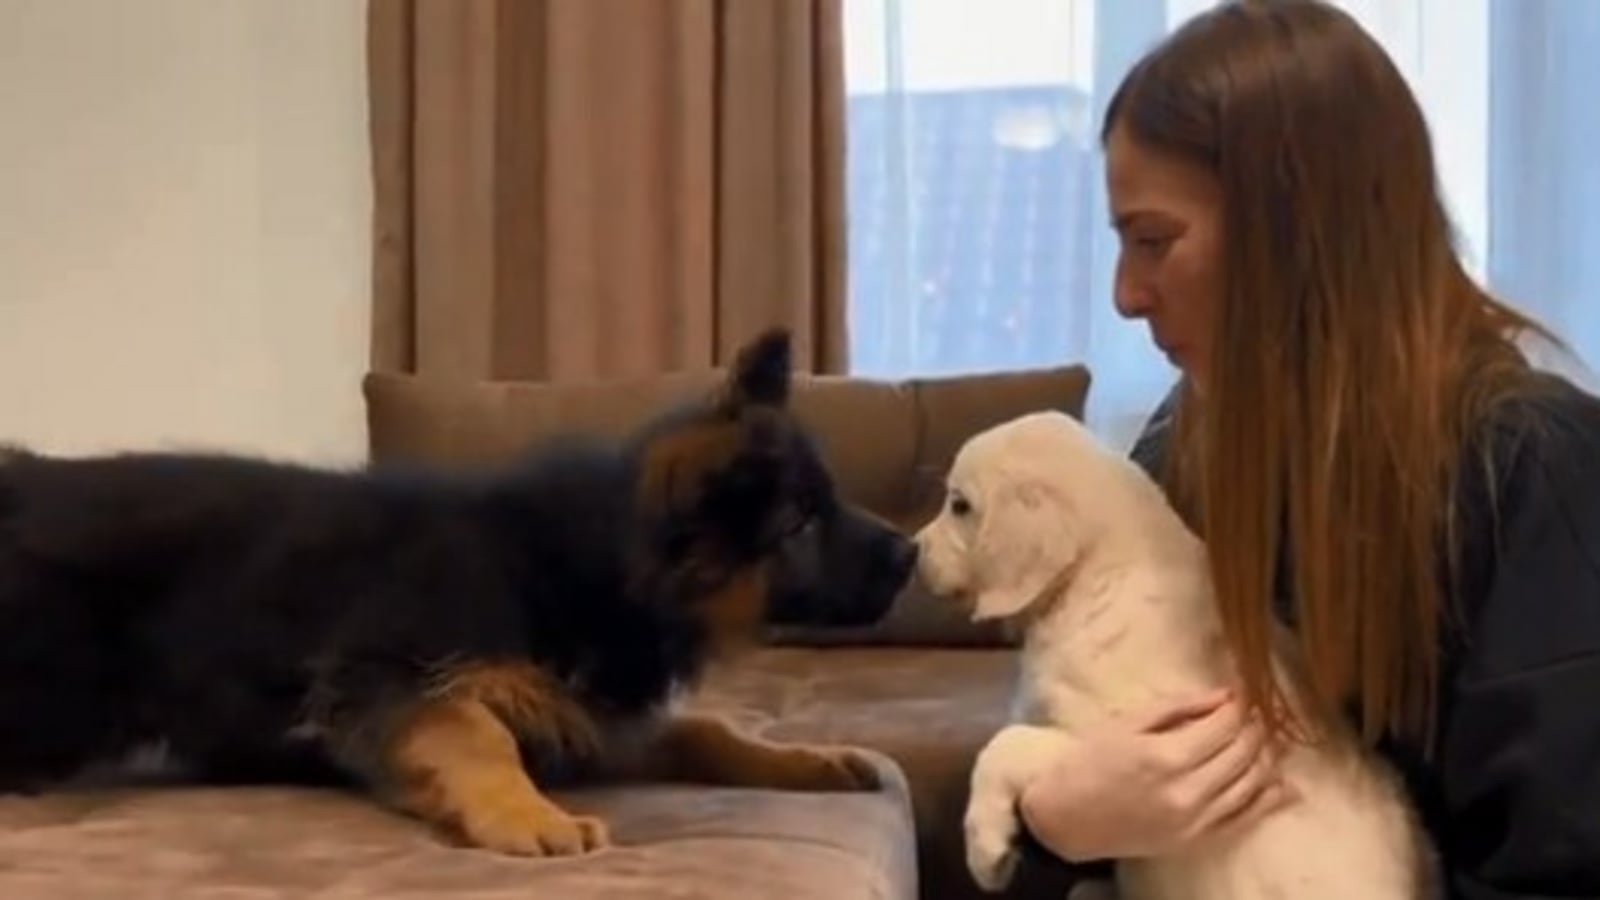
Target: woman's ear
1024 541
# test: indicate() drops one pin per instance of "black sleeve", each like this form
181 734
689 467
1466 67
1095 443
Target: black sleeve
1149 449
1518 767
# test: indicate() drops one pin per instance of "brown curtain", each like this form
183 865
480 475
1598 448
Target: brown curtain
579 188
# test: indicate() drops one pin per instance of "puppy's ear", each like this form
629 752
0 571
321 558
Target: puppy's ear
1023 543
761 372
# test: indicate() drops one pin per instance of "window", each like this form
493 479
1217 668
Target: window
970 171
978 236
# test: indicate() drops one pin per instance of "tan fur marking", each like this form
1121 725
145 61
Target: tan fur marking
673 468
674 463
734 612
534 706
459 768
707 750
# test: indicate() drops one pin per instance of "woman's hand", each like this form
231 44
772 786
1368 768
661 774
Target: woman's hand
1147 784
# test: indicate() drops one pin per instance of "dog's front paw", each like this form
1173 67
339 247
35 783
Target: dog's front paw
816 769
992 851
533 830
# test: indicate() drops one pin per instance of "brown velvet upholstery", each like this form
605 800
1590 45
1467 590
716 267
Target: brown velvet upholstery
924 689
250 843
929 708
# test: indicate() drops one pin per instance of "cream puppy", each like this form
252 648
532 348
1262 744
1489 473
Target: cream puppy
1046 527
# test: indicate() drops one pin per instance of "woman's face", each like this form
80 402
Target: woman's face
1167 212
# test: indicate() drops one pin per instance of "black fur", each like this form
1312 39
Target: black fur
270 621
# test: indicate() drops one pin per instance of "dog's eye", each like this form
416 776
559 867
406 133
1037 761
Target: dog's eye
959 505
796 520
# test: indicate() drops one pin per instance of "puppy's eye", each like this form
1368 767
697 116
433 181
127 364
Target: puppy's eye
959 506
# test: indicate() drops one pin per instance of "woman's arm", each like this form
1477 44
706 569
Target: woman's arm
1518 766
1521 785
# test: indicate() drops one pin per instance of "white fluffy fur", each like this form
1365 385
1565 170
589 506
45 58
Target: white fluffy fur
1079 546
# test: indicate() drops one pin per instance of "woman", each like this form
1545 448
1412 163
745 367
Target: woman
1368 456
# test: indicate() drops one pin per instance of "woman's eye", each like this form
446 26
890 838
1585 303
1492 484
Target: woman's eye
1153 244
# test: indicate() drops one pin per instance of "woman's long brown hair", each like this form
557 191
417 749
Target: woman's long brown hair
1354 354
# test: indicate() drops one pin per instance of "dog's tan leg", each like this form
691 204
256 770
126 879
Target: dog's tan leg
706 750
457 766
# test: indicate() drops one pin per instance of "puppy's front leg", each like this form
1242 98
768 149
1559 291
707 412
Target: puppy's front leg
1012 758
706 750
455 764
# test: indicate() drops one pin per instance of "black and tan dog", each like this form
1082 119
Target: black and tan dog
448 642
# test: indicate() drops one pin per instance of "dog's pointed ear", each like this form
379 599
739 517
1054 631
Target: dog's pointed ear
761 372
1023 543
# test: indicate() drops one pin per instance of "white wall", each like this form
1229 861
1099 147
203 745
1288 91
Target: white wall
184 205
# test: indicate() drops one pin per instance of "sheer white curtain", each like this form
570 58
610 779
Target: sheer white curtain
978 235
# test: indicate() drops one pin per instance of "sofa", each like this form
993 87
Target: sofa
921 691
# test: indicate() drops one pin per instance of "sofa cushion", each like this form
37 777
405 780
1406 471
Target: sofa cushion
952 409
485 422
261 843
930 710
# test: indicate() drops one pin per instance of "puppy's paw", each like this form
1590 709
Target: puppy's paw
992 851
528 830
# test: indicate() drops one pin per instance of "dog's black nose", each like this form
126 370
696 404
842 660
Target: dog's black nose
902 558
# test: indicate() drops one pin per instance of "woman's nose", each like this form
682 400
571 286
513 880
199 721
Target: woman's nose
1133 300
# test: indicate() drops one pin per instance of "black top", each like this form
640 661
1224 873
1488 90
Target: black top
1511 796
